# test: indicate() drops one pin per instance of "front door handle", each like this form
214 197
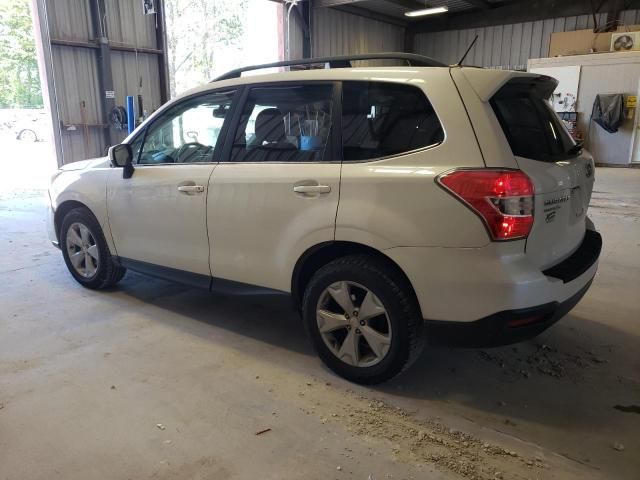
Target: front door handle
312 189
190 189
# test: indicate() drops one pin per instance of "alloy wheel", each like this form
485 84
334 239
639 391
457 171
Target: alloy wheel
354 324
83 250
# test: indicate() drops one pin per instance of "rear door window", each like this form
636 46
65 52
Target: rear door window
381 119
285 123
531 126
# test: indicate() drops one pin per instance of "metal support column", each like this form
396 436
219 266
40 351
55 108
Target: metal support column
302 12
161 44
105 77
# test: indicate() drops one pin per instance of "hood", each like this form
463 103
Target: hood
91 163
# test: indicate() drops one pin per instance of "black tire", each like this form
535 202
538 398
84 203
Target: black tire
107 273
396 295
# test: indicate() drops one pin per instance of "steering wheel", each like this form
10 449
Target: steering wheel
188 146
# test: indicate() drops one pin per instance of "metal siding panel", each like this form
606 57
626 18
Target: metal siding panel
547 30
582 22
75 70
507 43
525 45
129 72
127 24
570 24
536 40
487 36
478 49
559 24
516 44
602 18
496 46
339 33
629 17
70 20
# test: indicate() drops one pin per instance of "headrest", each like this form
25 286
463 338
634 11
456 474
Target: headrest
269 126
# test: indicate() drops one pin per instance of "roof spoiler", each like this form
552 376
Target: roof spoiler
487 82
340 61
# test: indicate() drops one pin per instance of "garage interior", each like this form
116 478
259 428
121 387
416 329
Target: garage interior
152 379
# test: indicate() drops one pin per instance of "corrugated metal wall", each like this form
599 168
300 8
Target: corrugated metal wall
503 46
72 70
339 33
293 36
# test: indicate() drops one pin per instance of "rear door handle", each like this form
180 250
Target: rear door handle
312 189
189 189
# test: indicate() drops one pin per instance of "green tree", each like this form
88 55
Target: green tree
199 32
19 77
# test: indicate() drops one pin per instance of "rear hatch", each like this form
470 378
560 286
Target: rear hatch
562 173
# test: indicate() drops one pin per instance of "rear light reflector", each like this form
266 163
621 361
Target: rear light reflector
503 199
521 322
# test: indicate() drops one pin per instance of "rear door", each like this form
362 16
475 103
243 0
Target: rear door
562 173
275 192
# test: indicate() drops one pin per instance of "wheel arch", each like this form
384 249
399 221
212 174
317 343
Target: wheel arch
62 210
319 255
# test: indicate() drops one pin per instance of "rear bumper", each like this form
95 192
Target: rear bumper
494 294
502 328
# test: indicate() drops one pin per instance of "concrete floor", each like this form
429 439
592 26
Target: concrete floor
153 380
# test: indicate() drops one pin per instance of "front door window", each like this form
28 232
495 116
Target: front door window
188 133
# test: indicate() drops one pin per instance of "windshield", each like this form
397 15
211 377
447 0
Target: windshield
531 126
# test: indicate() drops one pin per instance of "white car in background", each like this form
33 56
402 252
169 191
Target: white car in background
394 204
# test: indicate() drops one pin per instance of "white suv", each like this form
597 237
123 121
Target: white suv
394 204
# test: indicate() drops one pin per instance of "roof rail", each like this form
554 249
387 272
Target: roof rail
341 61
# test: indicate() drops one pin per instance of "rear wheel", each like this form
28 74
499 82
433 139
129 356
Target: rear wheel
85 251
363 319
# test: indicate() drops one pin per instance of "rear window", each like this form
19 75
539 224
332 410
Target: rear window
382 119
531 126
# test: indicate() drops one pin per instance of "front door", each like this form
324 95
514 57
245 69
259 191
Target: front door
158 216
275 191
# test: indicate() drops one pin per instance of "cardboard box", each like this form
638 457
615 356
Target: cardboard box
581 42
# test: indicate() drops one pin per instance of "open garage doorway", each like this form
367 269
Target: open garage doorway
206 39
28 156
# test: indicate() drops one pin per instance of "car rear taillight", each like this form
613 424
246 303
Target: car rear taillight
502 198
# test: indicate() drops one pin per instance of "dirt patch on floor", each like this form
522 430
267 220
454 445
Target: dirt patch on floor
541 359
427 441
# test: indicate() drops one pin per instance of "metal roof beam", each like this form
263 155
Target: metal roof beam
408 4
371 15
483 4
334 3
506 13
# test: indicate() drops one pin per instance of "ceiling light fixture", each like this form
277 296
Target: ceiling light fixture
426 11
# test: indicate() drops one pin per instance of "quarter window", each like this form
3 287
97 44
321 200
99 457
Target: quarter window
284 124
188 133
383 119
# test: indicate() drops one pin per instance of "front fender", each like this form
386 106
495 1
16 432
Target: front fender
87 187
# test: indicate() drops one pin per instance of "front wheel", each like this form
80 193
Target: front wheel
85 251
363 319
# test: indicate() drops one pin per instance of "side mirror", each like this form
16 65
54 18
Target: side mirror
122 156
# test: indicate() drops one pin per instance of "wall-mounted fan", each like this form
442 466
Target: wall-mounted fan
624 42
